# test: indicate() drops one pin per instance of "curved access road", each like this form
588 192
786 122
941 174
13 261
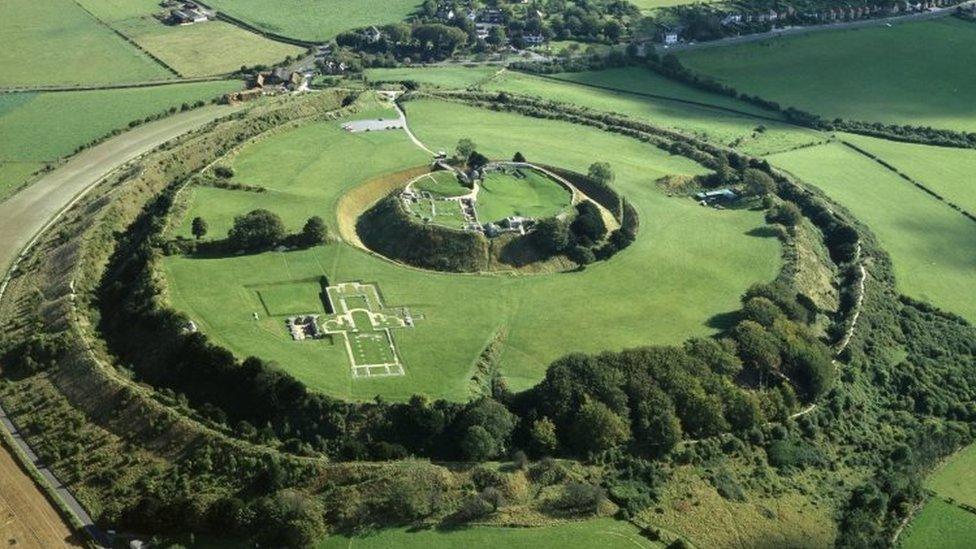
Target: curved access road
29 212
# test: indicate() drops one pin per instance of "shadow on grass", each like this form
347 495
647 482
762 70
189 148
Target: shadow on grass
723 321
764 231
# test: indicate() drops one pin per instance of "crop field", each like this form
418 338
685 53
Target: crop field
603 532
544 316
27 518
533 195
907 74
315 19
946 170
57 43
939 525
933 247
445 77
37 128
620 91
204 49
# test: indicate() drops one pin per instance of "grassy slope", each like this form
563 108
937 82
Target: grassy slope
662 289
708 123
57 42
602 532
955 479
316 19
446 77
933 246
908 74
939 525
41 127
945 170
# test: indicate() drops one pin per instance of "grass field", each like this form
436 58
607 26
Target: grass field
315 19
445 77
36 128
442 183
293 298
662 289
947 171
912 73
536 196
957 478
204 49
933 247
56 42
624 96
940 525
607 533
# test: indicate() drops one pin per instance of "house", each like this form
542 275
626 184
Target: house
187 16
718 195
533 39
445 12
242 96
491 16
671 35
773 15
731 19
483 29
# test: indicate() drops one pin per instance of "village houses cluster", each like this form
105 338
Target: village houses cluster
484 19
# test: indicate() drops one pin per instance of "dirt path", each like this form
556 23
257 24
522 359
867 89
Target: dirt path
22 218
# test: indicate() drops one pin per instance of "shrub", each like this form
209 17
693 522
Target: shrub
314 232
224 172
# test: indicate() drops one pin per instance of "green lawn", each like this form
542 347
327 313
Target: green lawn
203 49
940 525
442 183
503 195
625 97
316 19
957 478
445 77
933 246
912 73
36 128
947 171
606 533
293 298
55 42
688 264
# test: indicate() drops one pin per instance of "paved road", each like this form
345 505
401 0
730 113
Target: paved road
791 31
26 214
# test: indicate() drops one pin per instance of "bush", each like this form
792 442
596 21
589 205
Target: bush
314 232
224 172
580 497
588 224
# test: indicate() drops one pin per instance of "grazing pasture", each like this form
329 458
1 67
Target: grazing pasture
933 247
911 73
315 19
945 170
662 289
939 525
743 131
39 128
56 42
601 532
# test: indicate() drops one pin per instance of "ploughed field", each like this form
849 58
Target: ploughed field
687 268
909 73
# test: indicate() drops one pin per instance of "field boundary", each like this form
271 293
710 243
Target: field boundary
259 31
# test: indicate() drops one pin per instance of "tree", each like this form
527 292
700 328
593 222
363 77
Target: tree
199 227
478 444
439 40
787 213
519 157
494 418
314 232
601 172
464 148
589 223
552 235
598 428
543 435
757 182
762 310
496 36
757 347
256 229
476 160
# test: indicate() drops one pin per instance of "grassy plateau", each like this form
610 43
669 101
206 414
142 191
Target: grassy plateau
662 289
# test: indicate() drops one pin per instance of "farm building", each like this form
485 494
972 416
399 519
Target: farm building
188 14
